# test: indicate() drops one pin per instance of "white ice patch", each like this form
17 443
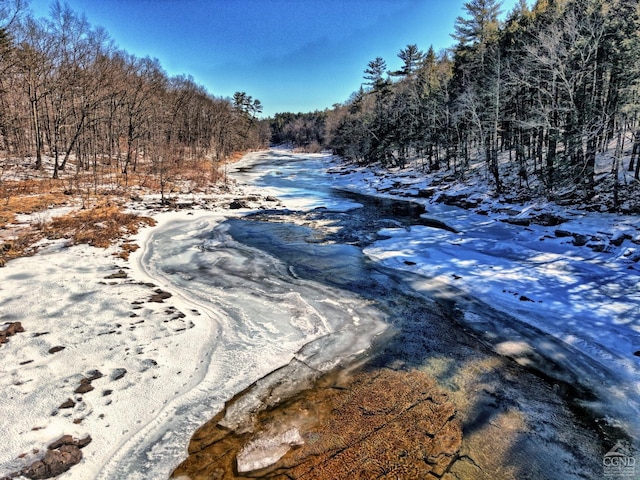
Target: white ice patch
265 450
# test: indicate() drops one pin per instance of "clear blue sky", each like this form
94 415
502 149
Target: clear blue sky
293 55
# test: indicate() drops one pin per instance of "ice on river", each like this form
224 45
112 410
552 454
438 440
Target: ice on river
237 313
261 317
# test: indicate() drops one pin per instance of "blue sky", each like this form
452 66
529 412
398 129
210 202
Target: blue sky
293 55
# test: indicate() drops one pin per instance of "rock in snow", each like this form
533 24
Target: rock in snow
61 455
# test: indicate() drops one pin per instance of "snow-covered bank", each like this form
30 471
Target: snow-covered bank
84 311
577 281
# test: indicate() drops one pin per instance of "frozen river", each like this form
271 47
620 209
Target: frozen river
321 281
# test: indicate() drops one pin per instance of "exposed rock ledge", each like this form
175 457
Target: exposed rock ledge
372 423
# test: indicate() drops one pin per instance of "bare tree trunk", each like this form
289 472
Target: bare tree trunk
36 129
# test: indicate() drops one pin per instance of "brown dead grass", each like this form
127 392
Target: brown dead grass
100 226
126 249
201 173
20 245
25 197
30 203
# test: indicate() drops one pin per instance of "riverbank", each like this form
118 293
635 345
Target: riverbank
564 273
458 412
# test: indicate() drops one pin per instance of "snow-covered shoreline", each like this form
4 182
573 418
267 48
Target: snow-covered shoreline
144 347
64 297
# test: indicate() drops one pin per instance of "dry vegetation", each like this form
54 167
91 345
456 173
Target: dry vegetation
100 226
95 212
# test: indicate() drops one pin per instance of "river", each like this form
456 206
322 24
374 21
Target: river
301 283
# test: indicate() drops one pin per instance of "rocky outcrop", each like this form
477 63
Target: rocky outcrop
375 423
461 200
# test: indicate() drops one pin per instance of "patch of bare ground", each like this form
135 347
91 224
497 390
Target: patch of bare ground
372 423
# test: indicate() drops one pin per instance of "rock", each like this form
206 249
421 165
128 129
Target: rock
524 298
95 375
118 373
523 222
548 219
236 204
159 296
147 364
426 192
85 386
597 246
637 354
461 200
562 233
10 331
435 223
61 455
83 442
119 274
67 404
54 463
579 240
64 440
618 240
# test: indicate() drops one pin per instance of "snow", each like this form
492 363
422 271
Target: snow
62 298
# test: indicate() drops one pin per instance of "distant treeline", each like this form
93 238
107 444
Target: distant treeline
553 85
67 92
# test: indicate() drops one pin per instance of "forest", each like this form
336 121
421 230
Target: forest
535 101
543 100
67 92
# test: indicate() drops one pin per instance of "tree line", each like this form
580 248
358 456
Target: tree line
541 94
66 91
